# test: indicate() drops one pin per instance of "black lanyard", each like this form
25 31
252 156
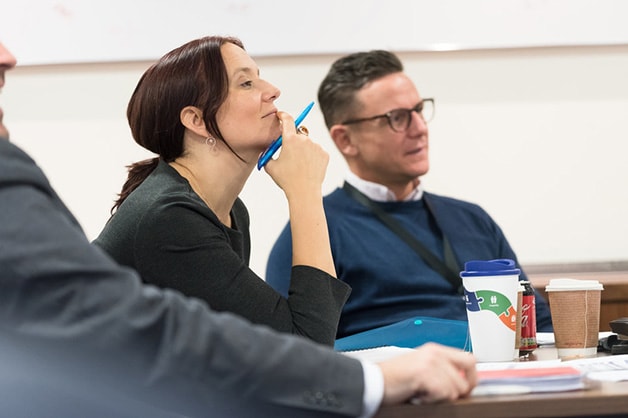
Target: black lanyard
448 269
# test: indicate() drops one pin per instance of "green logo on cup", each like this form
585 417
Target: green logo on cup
488 300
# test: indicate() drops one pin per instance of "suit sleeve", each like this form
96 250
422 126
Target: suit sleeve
66 305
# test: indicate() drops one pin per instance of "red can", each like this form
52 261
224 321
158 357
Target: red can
528 319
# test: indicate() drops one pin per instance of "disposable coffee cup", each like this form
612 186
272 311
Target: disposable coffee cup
575 308
490 291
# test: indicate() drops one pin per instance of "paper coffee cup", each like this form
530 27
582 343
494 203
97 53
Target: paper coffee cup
575 308
490 289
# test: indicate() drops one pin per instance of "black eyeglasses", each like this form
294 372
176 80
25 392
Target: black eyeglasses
399 119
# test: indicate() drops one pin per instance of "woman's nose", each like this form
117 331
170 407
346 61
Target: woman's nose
273 92
7 60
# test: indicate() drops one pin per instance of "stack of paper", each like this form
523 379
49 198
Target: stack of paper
529 380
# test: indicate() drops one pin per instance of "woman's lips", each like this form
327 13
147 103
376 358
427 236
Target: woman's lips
274 112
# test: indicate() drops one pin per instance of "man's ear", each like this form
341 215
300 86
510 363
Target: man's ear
341 135
192 118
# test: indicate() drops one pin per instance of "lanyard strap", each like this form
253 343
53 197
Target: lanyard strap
447 269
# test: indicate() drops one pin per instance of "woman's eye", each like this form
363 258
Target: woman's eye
247 84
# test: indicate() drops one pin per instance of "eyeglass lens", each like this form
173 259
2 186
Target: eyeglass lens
400 119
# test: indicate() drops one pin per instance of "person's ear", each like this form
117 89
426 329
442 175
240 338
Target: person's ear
192 118
341 135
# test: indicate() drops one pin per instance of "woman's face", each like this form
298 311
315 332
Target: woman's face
247 119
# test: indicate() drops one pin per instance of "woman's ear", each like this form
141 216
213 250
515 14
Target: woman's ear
341 135
192 118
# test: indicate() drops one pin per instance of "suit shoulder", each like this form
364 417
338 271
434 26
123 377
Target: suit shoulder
16 166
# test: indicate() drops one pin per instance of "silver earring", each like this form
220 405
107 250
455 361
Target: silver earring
210 141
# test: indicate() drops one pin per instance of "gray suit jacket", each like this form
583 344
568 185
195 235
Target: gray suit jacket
84 337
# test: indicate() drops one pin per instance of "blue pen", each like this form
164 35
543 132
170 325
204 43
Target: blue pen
274 146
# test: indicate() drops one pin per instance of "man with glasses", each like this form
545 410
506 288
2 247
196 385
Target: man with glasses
378 121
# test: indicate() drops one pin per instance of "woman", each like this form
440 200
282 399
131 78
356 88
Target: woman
206 113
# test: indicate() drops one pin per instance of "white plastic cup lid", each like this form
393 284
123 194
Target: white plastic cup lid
558 285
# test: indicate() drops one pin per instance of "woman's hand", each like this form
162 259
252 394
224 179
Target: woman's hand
300 171
300 168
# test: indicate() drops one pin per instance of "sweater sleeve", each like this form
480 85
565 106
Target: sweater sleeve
181 245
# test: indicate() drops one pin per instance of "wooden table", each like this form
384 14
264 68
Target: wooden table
607 400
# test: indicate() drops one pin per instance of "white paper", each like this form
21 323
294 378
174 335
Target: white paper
377 354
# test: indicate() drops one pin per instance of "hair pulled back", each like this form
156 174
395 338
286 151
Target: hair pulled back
193 74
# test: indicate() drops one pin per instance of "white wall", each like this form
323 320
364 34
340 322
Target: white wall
79 31
537 136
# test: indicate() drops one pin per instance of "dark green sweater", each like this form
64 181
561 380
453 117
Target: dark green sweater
169 235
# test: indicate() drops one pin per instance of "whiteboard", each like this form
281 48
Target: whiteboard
81 31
